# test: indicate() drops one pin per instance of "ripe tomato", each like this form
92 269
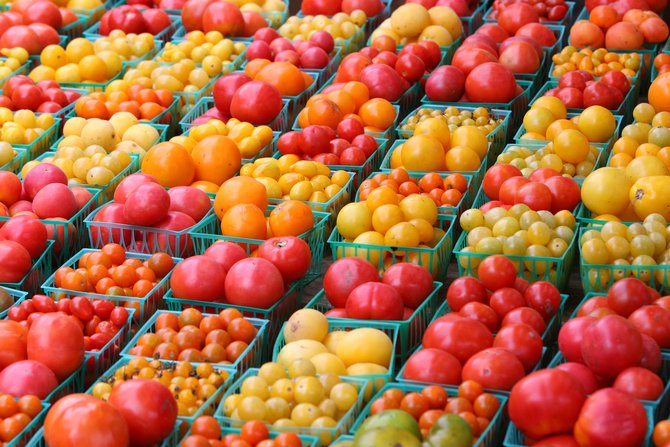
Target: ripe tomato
526 315
494 368
538 32
29 232
557 441
496 272
482 313
78 418
640 383
516 15
565 193
344 275
383 82
254 282
465 289
570 338
446 83
582 374
64 357
413 282
223 17
610 345
459 336
627 295
291 255
522 341
351 67
410 66
467 58
256 102
433 366
374 301
544 297
326 7
23 37
546 402
190 201
16 261
198 278
520 57
537 196
651 354
224 89
496 176
147 205
27 377
505 300
653 321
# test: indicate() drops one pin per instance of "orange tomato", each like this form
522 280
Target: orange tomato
170 163
286 77
291 218
239 190
377 113
244 220
216 159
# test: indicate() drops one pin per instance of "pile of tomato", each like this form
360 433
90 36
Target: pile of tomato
347 223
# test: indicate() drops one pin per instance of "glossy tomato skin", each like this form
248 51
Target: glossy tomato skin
465 289
582 374
434 366
254 282
445 83
412 282
344 275
570 338
192 12
505 300
494 368
375 301
627 295
509 187
653 321
557 441
148 408
482 313
610 345
383 82
496 176
513 17
526 315
64 357
491 82
651 354
537 196
640 383
545 403
459 336
247 99
29 232
544 297
611 411
291 255
496 272
565 193
522 341
198 278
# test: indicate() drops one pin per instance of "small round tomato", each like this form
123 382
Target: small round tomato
496 272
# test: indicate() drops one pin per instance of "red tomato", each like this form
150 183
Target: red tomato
539 33
190 201
314 138
102 308
546 402
565 193
611 411
446 83
64 357
461 337
496 176
610 345
526 315
544 297
148 408
349 128
147 205
198 278
44 304
326 7
467 58
370 7
522 341
482 313
520 57
494 31
247 99
192 12
254 432
513 17
119 316
505 300
581 374
412 282
433 53
81 308
383 82
465 289
592 304
223 17
27 96
653 321
537 196
557 441
126 18
601 94
344 275
509 188
29 232
570 338
571 97
494 368
27 377
10 188
543 174
640 383
16 261
496 272
374 301
225 88
254 282
433 366
78 418
617 80
291 255
43 12
21 36
410 66
483 41
627 295
651 354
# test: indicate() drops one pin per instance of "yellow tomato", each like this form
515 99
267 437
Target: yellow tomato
605 191
651 195
645 166
597 123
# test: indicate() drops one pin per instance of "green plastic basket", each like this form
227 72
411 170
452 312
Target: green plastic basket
226 67
410 331
74 29
497 137
144 306
93 86
435 259
42 142
342 426
94 15
518 106
74 383
22 70
17 296
15 164
275 315
473 21
164 36
42 267
250 358
637 80
208 231
491 437
97 362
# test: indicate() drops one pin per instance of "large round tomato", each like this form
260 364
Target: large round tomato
148 408
582 374
526 315
147 205
557 441
16 261
382 82
491 82
610 411
28 377
291 255
464 290
570 338
496 176
412 282
459 336
76 419
516 15
496 272
225 253
190 201
651 354
29 232
192 12
509 187
653 321
482 313
467 58
565 193
325 7
21 36
520 57
446 84
370 7
351 67
610 345
224 89
522 341
374 301
256 102
223 17
129 184
546 402
544 297
433 366
627 295
254 282
640 383
536 196
198 278
344 275
64 357
494 368
538 32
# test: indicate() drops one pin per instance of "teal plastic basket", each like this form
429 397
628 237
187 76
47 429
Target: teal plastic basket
74 29
388 134
250 358
30 431
435 259
41 143
208 231
74 383
410 331
491 437
566 21
93 86
42 267
22 70
164 36
93 15
144 306
226 67
637 80
342 426
17 296
275 315
16 163
97 362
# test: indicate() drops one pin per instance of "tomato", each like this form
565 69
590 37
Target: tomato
611 411
482 313
223 17
627 295
126 18
44 304
326 7
525 315
102 234
467 58
190 201
246 101
610 345
505 300
522 341
198 278
27 377
433 366
314 138
78 418
254 282
410 67
494 31
494 368
433 53
463 290
592 304
445 84
21 36
13 349
565 193
581 374
64 357
119 316
557 441
544 297
147 205
29 232
254 432
224 89
374 301
538 32
483 41
520 57
571 97
383 82
640 383
413 282
617 80
509 188
348 129
81 308
496 272
651 354
291 255
461 337
344 275
570 338
601 94
496 176
27 97
156 19
537 196
653 321
513 17
351 67
148 408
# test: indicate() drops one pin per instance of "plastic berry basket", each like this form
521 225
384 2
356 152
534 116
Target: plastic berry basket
41 143
144 306
342 426
410 331
16 163
435 259
164 36
74 383
568 20
97 362
637 80
491 437
17 296
22 70
93 15
41 268
189 100
497 137
31 430
474 20
477 176
250 358
518 106
74 29
93 86
208 231
226 67
274 315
